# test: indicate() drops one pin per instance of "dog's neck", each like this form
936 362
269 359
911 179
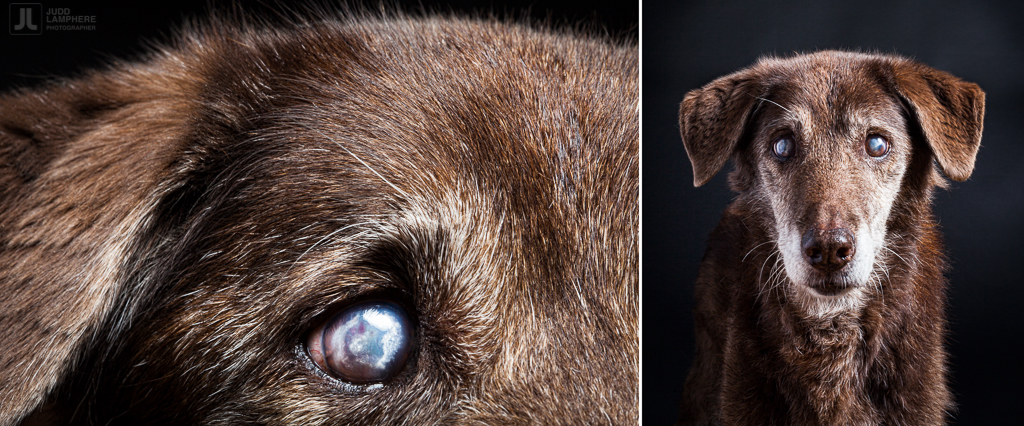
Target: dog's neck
829 359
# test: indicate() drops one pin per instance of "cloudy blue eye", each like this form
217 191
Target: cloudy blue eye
876 146
365 343
784 148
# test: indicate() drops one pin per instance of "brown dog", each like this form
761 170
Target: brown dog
341 221
820 298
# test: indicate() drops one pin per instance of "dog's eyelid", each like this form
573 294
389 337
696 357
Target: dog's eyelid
882 131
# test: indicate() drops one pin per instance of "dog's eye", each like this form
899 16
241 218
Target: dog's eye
784 148
877 146
365 343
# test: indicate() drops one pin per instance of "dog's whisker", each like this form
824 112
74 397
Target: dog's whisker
325 238
752 250
360 160
774 103
761 271
780 276
896 254
778 270
773 282
876 279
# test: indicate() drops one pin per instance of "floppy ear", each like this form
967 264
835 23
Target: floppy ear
80 167
712 118
950 112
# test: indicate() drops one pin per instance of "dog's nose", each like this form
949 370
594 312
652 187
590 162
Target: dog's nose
828 250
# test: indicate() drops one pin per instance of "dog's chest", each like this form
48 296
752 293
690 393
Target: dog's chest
829 360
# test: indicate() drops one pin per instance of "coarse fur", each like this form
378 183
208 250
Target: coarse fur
783 337
172 228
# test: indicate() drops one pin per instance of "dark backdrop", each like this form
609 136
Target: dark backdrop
686 44
125 27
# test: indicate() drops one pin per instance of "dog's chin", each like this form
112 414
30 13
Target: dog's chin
821 285
823 297
830 287
834 284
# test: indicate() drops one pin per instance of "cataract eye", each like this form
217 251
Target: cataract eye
877 146
365 343
784 148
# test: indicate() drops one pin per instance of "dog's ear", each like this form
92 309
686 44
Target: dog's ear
80 169
712 121
950 112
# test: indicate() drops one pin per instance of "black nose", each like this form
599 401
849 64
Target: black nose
828 250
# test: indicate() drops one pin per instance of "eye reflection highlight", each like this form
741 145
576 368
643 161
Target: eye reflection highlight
367 342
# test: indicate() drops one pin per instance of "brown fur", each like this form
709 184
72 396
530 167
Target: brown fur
171 229
782 343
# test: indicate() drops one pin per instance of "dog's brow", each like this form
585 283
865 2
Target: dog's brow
775 103
317 107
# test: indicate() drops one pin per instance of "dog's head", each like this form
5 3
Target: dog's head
376 221
828 146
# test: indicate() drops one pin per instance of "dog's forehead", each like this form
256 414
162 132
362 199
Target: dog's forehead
540 202
838 87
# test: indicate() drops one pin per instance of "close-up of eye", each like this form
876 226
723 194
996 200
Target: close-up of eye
368 342
784 148
876 146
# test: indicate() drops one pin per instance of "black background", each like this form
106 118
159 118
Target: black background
124 29
686 44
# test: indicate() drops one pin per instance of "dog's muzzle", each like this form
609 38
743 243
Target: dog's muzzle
828 251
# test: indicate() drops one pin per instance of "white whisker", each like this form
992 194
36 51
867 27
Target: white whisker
774 103
360 160
325 238
752 250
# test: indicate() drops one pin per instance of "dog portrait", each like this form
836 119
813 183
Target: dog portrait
820 299
690 45
326 217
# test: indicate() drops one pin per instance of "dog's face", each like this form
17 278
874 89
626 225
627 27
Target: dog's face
829 150
827 146
380 222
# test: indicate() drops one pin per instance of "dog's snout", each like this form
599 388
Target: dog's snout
828 250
